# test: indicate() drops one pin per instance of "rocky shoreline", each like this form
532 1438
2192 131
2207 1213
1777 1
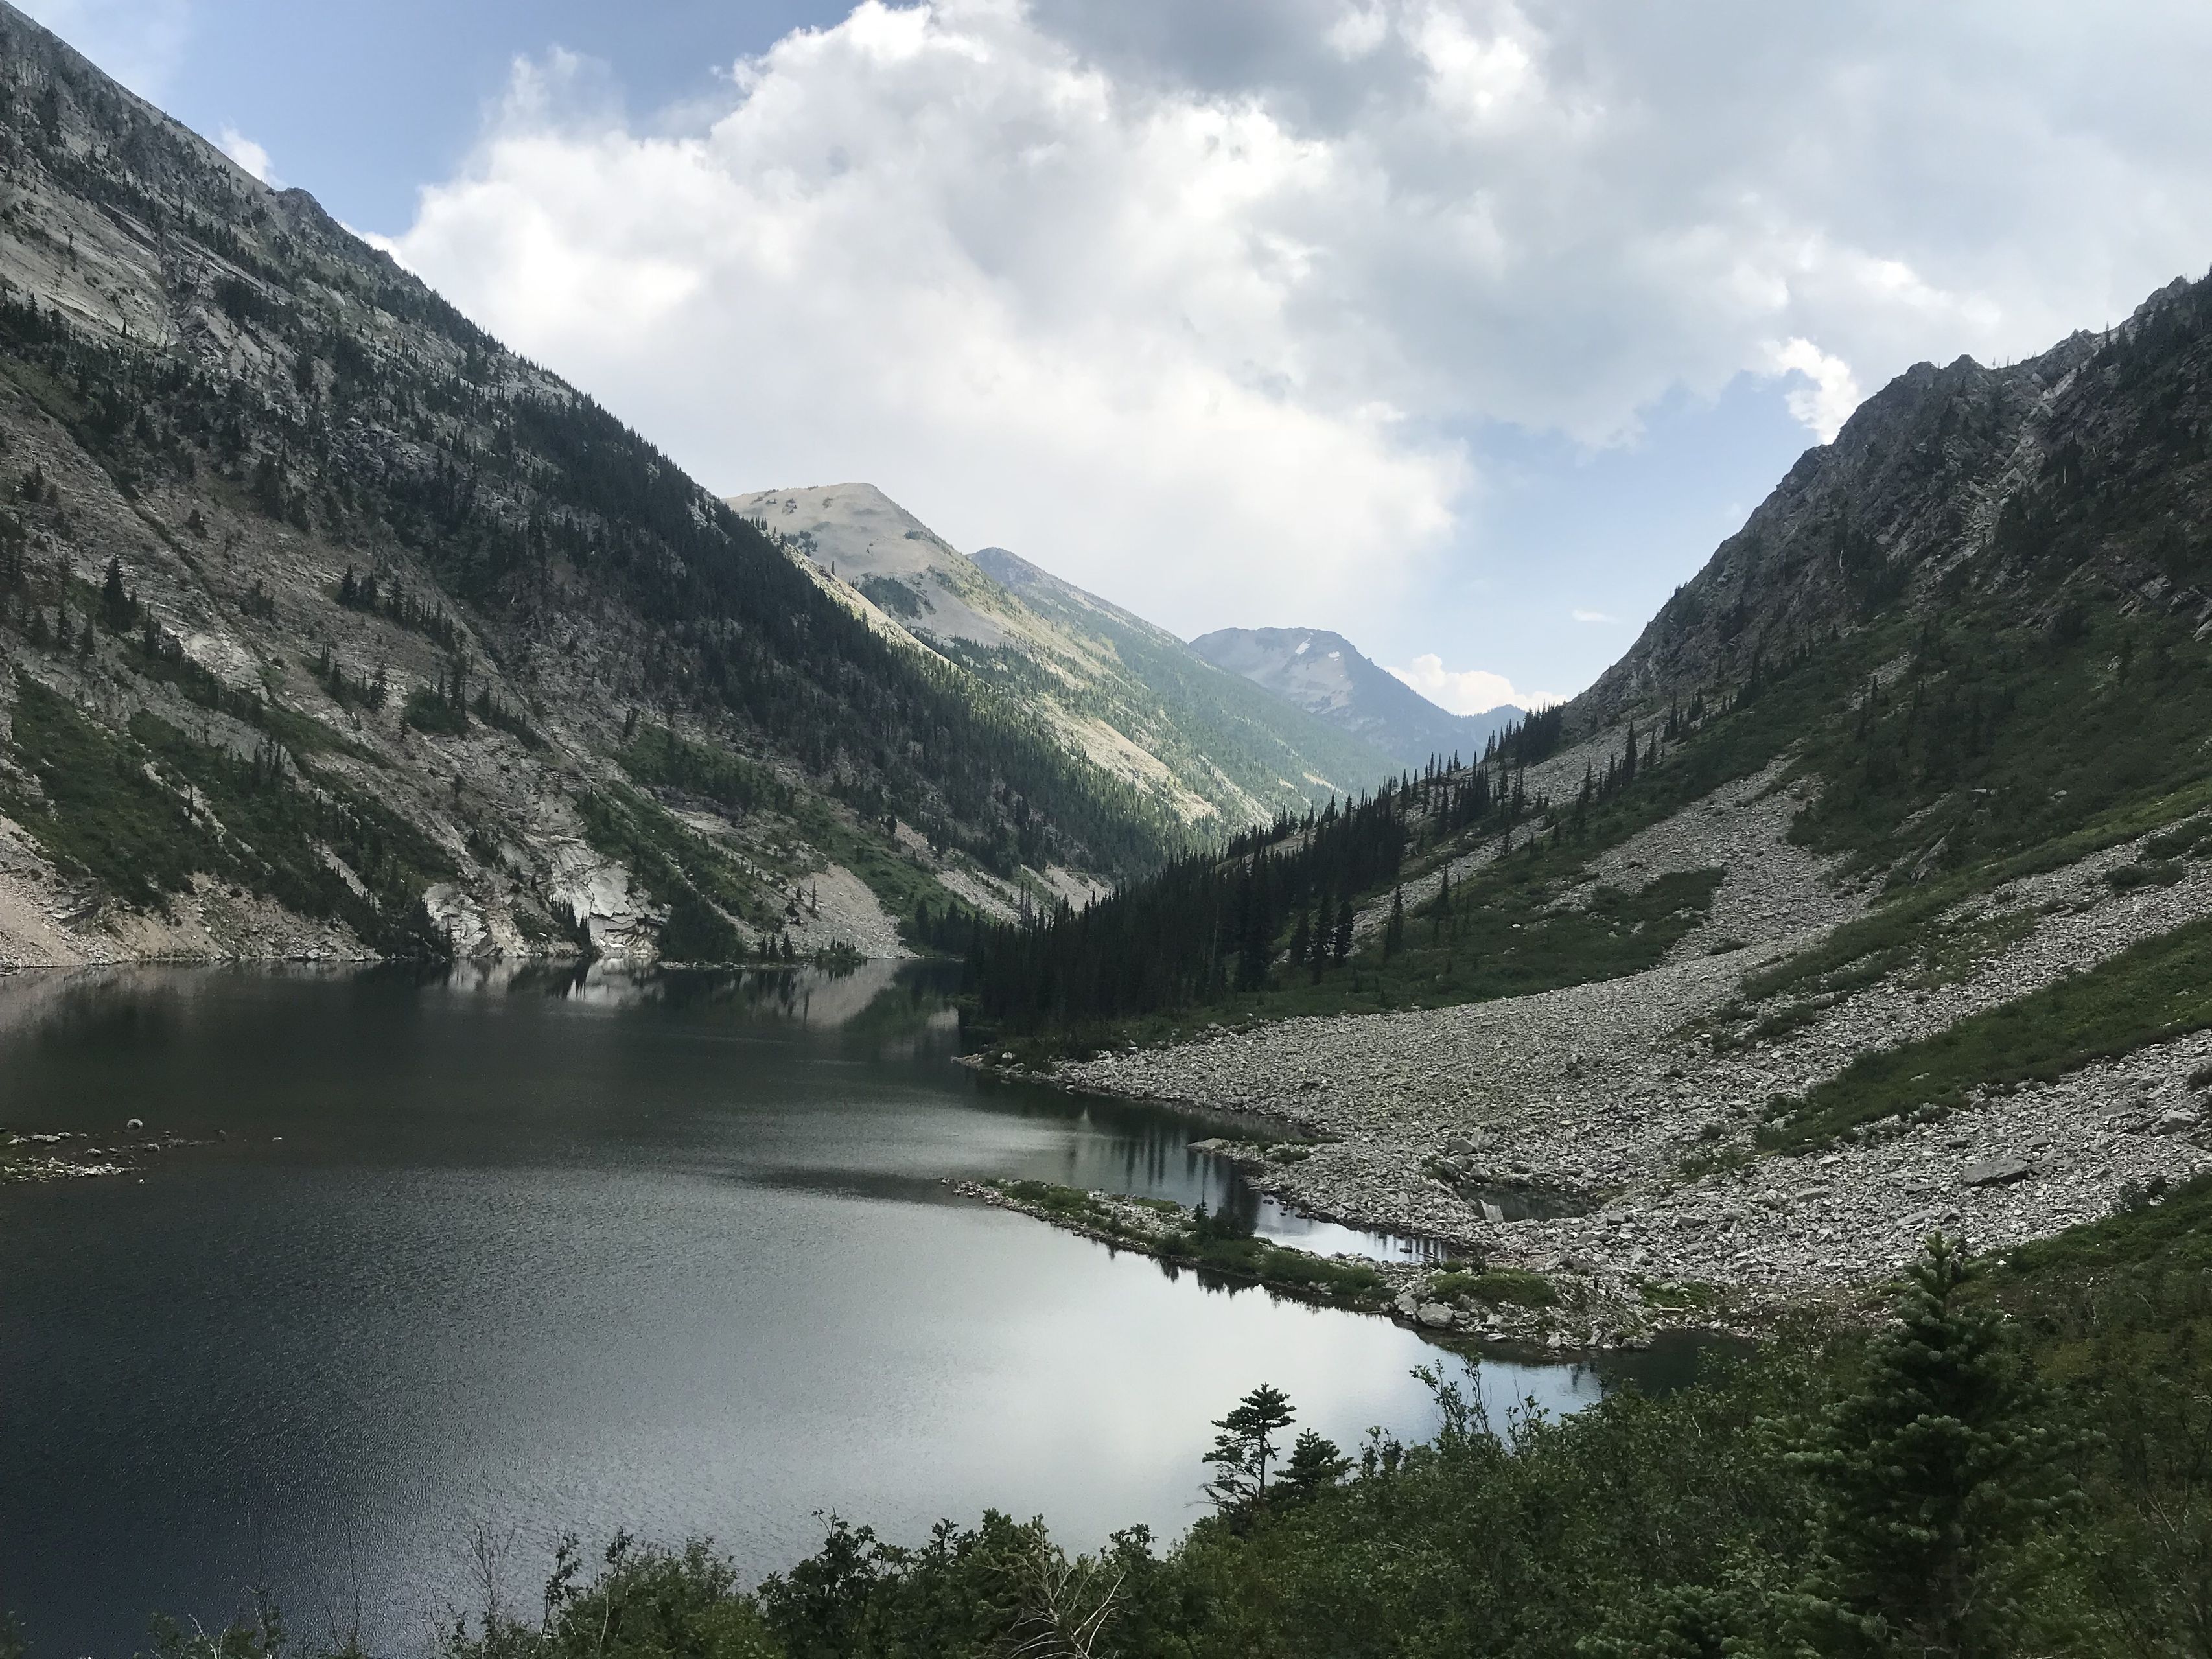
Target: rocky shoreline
1603 1137
64 1154
1454 1304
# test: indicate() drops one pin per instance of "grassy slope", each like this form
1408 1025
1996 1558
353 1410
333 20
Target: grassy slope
2159 990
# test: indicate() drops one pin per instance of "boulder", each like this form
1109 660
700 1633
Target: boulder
1435 1314
1997 1172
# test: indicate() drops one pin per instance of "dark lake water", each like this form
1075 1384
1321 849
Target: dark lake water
516 1253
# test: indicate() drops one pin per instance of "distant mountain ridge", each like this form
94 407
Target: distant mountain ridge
1324 674
1213 749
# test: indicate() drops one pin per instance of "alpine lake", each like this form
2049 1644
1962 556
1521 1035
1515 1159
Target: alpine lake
451 1263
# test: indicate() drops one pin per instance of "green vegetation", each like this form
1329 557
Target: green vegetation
98 814
1512 1286
1062 1203
144 814
656 758
161 657
1213 1243
700 885
2156 990
1262 1263
891 596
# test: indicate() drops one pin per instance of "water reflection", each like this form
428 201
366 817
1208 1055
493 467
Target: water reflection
536 1249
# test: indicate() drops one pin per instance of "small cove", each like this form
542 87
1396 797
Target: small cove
526 1250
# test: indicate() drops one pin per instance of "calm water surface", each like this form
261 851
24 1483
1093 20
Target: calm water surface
523 1252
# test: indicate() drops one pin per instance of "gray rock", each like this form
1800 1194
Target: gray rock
1435 1314
2177 1122
1997 1172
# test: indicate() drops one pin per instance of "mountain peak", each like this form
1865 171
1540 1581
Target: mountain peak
1325 674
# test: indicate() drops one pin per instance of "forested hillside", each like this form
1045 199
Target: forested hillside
331 625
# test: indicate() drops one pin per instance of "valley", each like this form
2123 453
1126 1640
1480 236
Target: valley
585 1000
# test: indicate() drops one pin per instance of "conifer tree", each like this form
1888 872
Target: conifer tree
1314 1464
1340 947
1245 1447
117 607
1394 931
1933 1473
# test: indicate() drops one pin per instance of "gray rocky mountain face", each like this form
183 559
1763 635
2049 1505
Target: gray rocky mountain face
1949 479
1323 674
333 628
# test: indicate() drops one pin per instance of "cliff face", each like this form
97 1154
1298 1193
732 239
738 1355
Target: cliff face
2078 475
408 645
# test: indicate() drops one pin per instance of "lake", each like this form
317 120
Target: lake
500 1253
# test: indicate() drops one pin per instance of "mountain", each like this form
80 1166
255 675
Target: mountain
1323 673
331 627
2067 479
1208 747
1868 895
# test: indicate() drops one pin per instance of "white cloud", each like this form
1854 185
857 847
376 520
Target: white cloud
1827 402
1469 691
248 154
1201 319
1359 30
1581 616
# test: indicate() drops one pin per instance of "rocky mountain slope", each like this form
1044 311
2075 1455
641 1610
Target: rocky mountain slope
2051 479
330 627
1871 893
1323 673
1130 696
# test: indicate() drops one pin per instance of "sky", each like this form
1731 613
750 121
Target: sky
1466 328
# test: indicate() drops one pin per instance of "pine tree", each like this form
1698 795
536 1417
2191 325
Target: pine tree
1340 947
1245 1447
1932 1474
1394 931
1314 1464
117 607
1300 937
